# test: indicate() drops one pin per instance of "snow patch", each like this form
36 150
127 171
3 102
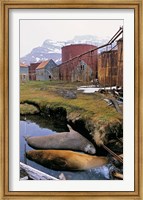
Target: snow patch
92 88
37 59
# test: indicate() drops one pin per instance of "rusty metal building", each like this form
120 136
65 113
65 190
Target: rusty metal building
107 68
73 56
73 50
110 66
120 62
32 71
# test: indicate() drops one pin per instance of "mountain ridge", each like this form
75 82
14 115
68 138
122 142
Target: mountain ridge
51 49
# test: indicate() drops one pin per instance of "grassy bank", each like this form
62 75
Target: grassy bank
90 107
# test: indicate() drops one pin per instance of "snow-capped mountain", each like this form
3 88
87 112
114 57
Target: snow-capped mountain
52 49
48 50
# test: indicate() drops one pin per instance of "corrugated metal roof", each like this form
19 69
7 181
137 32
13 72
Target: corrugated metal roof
43 64
23 65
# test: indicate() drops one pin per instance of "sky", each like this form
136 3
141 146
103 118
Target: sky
34 32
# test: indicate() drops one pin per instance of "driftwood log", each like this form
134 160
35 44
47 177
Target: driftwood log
115 104
35 174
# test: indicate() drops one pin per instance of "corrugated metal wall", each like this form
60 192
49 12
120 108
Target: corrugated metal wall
110 66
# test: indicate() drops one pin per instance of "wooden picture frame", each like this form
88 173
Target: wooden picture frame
5 5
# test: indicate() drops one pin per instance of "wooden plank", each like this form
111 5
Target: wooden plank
35 174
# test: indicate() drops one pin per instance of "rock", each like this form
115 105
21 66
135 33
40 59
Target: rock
68 94
62 176
25 178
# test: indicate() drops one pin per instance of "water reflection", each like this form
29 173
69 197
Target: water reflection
47 123
36 126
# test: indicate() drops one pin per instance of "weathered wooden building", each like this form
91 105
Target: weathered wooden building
110 66
81 73
47 70
55 73
24 72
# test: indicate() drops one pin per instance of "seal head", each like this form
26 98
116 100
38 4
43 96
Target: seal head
90 149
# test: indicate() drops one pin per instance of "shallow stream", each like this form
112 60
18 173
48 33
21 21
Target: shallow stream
37 126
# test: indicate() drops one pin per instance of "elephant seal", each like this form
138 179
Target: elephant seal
65 159
65 140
